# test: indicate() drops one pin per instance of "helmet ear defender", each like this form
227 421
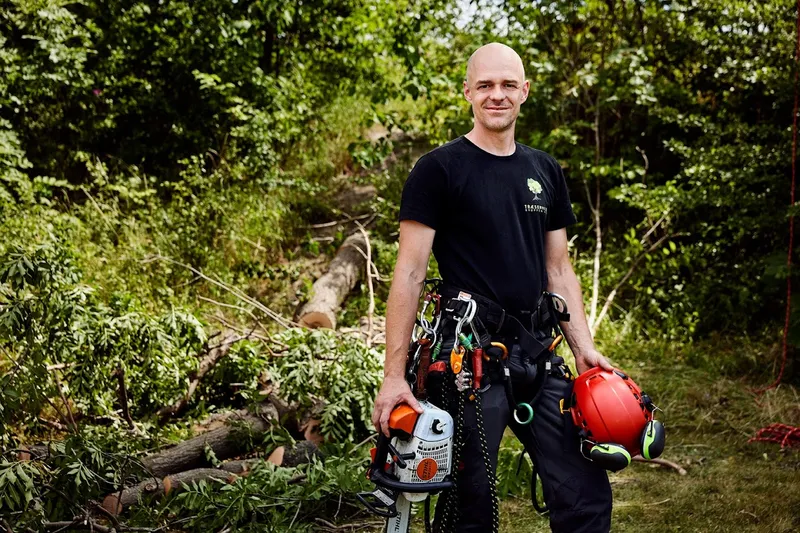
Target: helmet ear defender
610 456
653 439
614 419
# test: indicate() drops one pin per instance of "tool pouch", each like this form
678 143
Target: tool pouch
520 367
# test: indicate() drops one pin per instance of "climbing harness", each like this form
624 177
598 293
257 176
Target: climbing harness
446 384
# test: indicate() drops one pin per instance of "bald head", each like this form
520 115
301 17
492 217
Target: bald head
492 57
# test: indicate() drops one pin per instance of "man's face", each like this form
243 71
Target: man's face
496 88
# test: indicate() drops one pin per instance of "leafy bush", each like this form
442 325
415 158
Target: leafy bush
339 370
54 325
276 499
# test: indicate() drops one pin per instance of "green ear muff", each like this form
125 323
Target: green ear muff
610 456
653 438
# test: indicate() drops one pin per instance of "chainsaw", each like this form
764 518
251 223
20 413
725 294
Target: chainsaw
414 462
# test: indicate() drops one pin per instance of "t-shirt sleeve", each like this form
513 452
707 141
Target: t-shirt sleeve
561 214
424 192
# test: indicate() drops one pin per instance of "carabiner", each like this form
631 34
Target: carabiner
528 409
558 299
502 347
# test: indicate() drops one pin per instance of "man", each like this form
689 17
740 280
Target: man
494 212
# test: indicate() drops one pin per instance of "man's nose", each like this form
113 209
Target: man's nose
497 93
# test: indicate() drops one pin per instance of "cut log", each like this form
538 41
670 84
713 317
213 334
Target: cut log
229 440
225 434
117 502
214 355
330 290
301 453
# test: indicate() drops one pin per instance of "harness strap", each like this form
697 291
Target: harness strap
541 508
498 321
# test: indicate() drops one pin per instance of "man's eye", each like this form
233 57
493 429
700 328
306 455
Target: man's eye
511 86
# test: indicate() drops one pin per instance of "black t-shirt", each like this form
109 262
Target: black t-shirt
490 214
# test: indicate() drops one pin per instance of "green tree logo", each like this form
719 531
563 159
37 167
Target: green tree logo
535 188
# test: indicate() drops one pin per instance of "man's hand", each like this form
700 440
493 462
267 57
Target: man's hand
394 391
591 359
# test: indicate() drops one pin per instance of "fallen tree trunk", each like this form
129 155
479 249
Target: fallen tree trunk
229 440
115 503
225 434
330 290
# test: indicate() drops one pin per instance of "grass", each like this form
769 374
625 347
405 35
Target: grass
731 485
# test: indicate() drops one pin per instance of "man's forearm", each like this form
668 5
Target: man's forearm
401 310
565 283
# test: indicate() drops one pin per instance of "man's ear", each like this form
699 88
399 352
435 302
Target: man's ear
526 87
467 94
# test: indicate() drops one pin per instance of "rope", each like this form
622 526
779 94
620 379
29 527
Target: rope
490 475
449 511
447 523
786 436
784 343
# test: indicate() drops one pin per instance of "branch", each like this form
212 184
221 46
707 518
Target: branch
628 274
253 335
58 426
122 395
663 462
66 404
654 227
594 207
337 222
79 523
371 309
233 290
213 356
244 310
348 527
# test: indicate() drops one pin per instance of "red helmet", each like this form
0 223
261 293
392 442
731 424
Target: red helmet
609 408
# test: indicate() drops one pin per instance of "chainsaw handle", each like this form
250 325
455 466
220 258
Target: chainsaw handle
376 506
382 479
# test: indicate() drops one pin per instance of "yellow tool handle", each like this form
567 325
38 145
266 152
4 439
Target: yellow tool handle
556 342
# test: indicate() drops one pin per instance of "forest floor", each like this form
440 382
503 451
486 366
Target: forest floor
730 486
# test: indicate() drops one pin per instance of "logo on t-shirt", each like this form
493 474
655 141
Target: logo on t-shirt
535 187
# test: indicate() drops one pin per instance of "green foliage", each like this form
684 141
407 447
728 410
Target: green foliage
678 115
270 498
75 469
216 132
50 320
339 370
17 484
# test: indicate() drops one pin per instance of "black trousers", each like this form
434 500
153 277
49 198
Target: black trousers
577 492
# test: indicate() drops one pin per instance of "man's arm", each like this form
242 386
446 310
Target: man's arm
561 279
410 270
